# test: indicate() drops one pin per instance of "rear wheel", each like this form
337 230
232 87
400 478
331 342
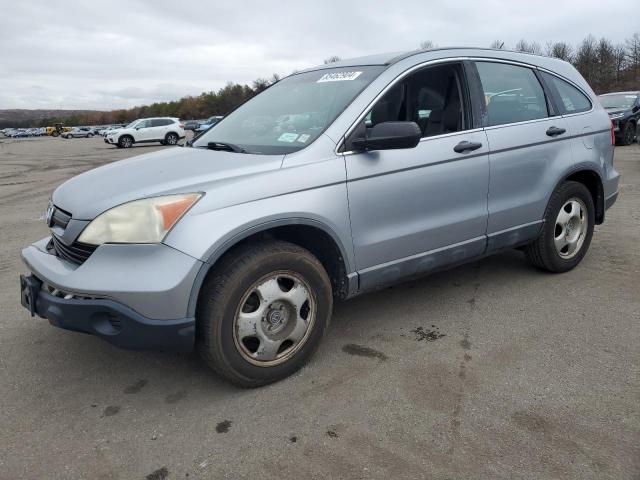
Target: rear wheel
125 141
262 313
89 135
171 139
567 229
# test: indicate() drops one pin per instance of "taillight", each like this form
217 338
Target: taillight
181 125
613 134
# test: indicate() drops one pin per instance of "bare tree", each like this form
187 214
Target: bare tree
260 84
275 78
528 47
586 59
499 44
332 59
561 50
632 47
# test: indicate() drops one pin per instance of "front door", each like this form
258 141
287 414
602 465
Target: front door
415 210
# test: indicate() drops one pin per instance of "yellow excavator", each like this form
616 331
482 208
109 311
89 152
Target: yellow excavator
57 129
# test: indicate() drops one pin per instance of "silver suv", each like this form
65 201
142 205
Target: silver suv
335 181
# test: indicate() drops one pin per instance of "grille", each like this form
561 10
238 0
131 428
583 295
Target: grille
76 252
60 218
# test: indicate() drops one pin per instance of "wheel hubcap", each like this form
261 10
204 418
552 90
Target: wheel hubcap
274 319
570 228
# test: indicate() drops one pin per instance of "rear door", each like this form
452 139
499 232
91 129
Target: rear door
414 210
158 128
529 143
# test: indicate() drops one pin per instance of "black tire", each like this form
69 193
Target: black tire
226 288
628 134
55 134
69 136
125 141
543 253
171 139
163 142
90 135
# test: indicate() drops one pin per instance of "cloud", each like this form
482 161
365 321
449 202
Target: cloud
125 53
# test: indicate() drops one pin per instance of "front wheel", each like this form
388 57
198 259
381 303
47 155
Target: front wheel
125 141
628 134
567 229
262 312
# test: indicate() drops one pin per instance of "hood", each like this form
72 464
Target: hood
175 170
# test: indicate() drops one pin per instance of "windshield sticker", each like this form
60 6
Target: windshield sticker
304 137
338 76
288 137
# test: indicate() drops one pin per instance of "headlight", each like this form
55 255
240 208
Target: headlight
141 221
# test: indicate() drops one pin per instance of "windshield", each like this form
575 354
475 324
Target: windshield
618 101
291 114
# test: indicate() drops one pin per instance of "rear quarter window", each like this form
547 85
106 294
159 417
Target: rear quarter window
571 99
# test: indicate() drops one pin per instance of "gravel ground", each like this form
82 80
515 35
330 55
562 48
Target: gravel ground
490 370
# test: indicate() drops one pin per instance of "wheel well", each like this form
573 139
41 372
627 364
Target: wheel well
317 241
591 180
170 133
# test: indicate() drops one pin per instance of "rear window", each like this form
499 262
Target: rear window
511 93
161 122
572 100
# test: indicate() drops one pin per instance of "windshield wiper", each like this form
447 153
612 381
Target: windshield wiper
229 147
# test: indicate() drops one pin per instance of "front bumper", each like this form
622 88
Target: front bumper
109 320
109 140
146 288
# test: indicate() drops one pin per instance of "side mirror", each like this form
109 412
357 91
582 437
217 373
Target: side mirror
390 136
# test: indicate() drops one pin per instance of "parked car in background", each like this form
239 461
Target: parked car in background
192 124
207 124
624 110
385 168
166 130
84 132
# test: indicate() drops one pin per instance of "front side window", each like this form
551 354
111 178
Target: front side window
572 100
143 124
511 93
431 97
292 113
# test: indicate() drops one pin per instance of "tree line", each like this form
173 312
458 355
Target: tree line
606 65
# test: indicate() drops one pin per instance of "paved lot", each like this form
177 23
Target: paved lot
491 370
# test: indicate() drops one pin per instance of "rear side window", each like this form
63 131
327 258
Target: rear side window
511 93
160 122
572 100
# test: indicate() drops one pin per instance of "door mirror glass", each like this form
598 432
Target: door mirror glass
389 136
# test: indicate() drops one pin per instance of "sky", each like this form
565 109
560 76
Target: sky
112 54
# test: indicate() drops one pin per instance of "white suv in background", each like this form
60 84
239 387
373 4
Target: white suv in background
166 130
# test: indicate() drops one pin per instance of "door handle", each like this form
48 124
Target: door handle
555 131
466 146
